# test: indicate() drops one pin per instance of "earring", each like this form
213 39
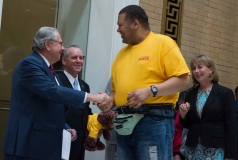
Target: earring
210 75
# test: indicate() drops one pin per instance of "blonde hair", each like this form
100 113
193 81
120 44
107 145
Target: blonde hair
205 60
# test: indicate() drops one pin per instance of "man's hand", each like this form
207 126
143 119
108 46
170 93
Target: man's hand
183 109
73 134
137 97
106 105
97 98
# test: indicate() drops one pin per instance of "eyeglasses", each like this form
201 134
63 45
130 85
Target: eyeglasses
61 43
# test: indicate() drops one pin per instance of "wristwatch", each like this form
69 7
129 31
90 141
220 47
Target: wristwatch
154 90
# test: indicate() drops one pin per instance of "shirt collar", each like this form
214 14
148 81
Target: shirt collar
46 61
70 77
48 64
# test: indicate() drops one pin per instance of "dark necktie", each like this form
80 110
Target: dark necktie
52 70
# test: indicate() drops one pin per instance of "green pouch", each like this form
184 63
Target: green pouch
125 123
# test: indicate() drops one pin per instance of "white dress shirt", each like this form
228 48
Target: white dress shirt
72 79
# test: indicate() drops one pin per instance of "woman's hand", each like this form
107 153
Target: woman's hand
183 109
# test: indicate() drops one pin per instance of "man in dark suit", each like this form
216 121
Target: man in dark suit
76 117
36 118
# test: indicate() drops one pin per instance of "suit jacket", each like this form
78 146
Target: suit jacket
77 118
36 117
217 125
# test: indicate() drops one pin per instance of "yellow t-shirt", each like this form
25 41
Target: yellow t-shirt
93 126
153 61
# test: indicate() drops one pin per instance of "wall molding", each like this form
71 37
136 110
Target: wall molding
172 18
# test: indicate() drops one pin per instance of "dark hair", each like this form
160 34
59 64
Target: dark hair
202 59
236 90
133 12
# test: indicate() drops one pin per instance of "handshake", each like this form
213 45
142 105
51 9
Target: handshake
134 99
102 100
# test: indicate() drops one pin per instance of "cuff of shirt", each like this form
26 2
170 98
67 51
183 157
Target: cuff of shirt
84 101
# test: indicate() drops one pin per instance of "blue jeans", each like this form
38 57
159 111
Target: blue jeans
151 138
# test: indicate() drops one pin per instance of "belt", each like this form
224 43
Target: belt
144 107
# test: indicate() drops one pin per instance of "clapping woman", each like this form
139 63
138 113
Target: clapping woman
210 115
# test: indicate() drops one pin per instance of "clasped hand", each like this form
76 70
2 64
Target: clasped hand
183 109
73 133
137 97
105 103
134 99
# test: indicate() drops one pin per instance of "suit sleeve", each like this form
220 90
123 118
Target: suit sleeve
66 126
34 78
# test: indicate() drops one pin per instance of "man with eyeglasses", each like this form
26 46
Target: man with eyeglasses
61 43
37 111
77 118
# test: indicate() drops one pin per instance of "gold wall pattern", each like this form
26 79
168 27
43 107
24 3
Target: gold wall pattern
172 18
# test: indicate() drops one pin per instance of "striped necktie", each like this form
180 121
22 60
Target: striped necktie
52 70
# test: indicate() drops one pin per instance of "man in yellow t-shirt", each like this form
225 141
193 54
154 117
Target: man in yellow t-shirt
149 71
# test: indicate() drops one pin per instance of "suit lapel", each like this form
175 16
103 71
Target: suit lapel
37 55
193 100
66 83
213 94
58 79
64 80
81 85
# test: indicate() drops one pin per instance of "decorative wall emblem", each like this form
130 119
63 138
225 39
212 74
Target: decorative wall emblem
172 19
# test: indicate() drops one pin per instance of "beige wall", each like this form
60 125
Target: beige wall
209 28
154 9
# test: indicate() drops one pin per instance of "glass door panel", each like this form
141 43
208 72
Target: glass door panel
20 21
73 24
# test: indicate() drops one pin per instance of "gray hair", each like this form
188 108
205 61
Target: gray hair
42 35
65 52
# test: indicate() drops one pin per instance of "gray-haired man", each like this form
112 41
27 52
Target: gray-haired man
36 118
